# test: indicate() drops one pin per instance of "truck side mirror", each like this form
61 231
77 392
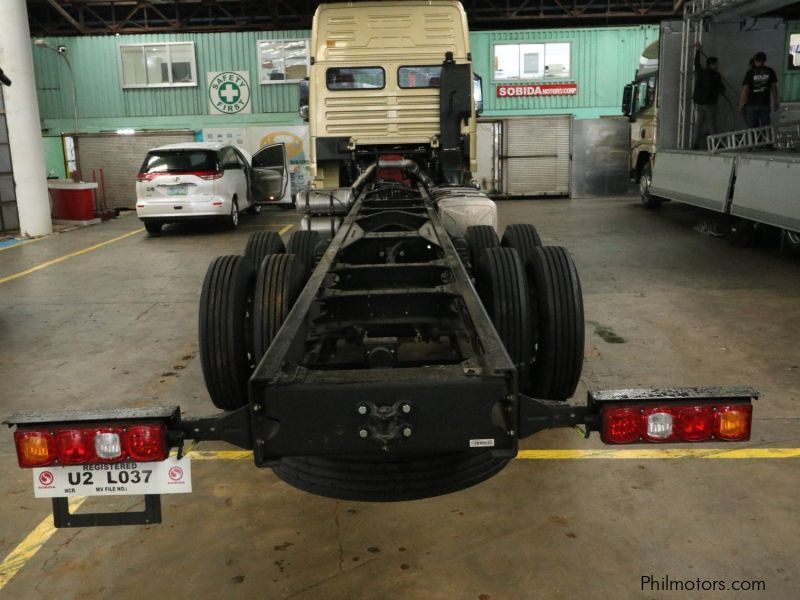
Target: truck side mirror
627 99
477 87
304 99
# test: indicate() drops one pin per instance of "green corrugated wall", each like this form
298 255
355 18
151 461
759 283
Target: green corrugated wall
104 104
790 83
603 60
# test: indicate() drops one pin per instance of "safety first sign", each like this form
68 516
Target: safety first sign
229 92
544 89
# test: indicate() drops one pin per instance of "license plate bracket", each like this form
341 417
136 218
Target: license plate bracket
63 518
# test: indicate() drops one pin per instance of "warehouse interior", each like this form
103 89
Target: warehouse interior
419 298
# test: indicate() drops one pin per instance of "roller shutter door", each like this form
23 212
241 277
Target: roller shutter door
120 156
536 156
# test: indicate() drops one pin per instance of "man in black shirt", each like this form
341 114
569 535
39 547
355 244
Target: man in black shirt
759 91
708 87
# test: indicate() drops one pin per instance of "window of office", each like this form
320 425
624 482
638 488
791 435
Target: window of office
527 62
282 61
793 59
157 65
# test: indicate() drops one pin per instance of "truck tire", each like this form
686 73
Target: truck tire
373 479
278 284
523 237
225 357
462 248
558 358
502 285
645 182
479 238
261 244
790 243
303 244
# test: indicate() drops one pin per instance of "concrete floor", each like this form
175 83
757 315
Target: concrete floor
116 326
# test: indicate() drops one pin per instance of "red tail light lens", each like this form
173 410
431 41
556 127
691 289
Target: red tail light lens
208 175
74 446
626 424
58 445
696 423
147 442
34 448
621 425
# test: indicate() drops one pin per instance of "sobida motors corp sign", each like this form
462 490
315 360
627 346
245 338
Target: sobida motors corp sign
537 89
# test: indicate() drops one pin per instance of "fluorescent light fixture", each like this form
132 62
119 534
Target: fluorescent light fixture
126 131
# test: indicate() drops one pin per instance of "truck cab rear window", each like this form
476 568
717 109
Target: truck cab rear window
355 78
419 76
179 161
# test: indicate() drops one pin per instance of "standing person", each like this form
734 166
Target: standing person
708 87
759 93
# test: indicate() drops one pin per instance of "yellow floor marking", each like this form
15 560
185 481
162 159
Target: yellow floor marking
20 555
28 547
574 454
658 453
285 228
30 241
55 261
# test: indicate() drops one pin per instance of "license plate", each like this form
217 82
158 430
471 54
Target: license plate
177 190
171 476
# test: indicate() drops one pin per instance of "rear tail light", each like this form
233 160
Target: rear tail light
34 448
733 422
140 442
621 426
696 423
147 443
74 446
209 175
108 444
627 424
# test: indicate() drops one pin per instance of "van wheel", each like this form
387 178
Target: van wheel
558 357
645 182
278 284
153 227
224 330
261 244
233 218
790 243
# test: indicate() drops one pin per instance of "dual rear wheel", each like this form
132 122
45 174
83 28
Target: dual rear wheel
243 303
533 296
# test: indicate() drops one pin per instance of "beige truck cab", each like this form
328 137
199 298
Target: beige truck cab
640 106
376 83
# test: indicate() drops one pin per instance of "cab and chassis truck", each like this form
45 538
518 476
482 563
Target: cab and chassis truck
396 359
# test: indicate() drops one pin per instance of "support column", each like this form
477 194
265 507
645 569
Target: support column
24 126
